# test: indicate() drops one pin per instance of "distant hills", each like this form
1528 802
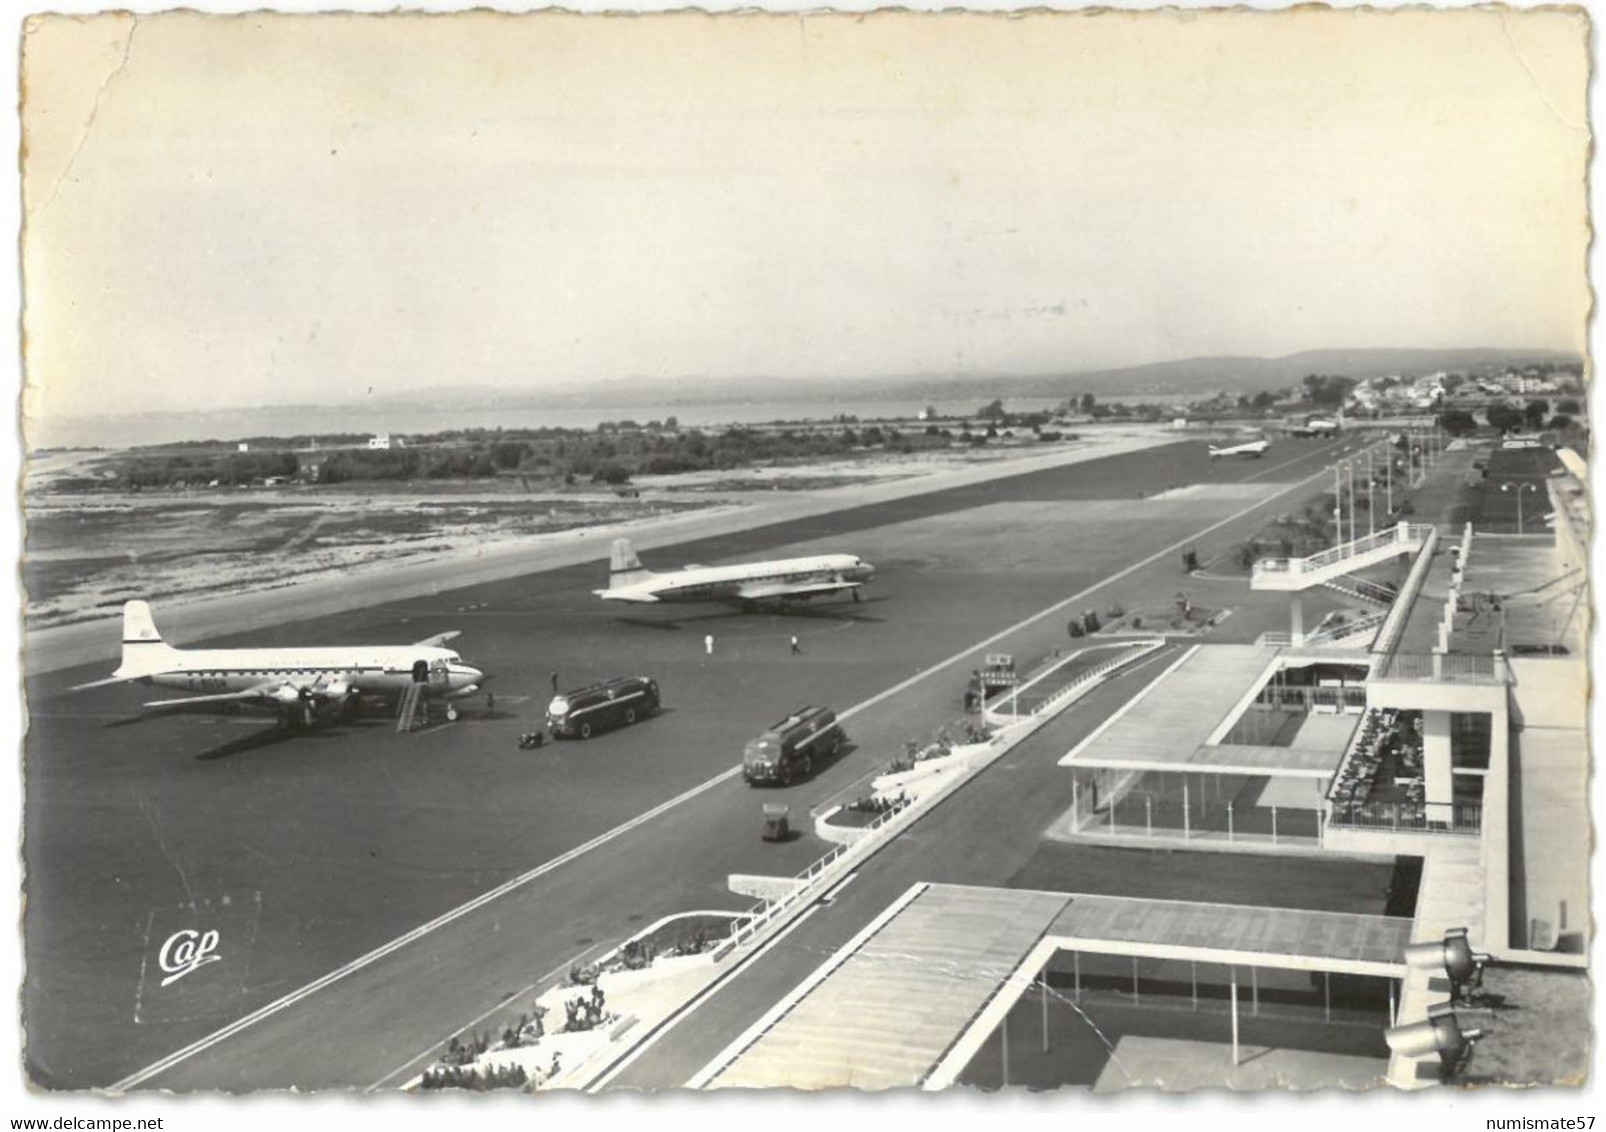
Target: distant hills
1180 378
1244 374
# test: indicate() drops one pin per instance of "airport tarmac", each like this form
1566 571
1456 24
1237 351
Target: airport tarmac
311 851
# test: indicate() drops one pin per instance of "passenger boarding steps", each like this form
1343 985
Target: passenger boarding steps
1319 569
1357 634
1361 589
407 713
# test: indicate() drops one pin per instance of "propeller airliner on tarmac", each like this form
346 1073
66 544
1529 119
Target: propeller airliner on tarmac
748 584
301 686
1250 448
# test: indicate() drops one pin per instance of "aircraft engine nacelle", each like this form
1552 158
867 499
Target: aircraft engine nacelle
338 688
286 694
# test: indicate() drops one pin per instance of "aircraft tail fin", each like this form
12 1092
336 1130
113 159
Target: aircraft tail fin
624 567
144 651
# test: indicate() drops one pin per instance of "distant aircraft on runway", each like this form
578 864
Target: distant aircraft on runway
300 685
783 582
1251 448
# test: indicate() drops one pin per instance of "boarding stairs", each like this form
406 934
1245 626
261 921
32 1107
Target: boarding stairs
1362 589
1347 633
1357 634
408 712
1296 574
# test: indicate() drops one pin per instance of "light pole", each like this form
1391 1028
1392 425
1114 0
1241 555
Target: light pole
1521 487
1350 467
1338 506
1388 474
1371 511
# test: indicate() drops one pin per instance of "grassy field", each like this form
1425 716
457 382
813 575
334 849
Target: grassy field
85 554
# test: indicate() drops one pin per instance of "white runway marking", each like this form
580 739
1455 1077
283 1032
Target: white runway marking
278 1005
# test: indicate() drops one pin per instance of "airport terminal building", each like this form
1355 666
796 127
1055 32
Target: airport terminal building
1444 732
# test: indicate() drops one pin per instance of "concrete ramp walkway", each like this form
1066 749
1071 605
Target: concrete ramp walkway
886 1013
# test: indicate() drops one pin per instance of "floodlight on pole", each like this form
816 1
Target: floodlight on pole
1452 957
1439 1033
1349 466
1520 488
1338 507
1371 487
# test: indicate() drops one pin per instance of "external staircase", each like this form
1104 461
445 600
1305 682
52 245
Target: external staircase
1297 574
1363 589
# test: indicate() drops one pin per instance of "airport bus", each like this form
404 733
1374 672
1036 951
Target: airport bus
789 749
597 707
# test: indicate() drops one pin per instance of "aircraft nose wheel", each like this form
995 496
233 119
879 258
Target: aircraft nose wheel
451 713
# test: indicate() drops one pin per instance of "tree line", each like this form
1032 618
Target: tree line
612 454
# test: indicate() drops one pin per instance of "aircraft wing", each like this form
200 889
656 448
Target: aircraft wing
760 591
255 693
625 595
438 639
106 683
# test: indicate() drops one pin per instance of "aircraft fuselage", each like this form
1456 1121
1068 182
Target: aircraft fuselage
792 579
371 671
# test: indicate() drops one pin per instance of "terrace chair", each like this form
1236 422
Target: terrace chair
1541 935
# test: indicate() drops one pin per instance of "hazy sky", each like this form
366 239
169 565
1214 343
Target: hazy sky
256 210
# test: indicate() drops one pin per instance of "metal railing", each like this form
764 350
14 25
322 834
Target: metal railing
1052 701
1365 589
755 919
1347 630
1465 818
1401 535
1389 635
1143 814
1310 697
1443 668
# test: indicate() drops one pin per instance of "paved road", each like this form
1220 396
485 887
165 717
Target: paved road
321 848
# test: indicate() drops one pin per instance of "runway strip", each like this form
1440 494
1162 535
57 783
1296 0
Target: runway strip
87 642
278 1005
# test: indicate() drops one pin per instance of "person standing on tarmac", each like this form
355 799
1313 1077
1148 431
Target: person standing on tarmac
708 644
796 650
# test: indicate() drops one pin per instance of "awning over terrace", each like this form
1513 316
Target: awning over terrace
1290 938
1167 726
895 1003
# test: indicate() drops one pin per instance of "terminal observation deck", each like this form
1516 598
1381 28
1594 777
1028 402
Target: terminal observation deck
910 999
1168 726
